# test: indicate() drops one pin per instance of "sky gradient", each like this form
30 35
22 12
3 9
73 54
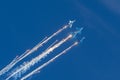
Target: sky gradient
24 23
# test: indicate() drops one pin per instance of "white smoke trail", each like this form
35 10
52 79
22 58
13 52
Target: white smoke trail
51 60
35 60
8 66
52 44
45 40
16 60
28 52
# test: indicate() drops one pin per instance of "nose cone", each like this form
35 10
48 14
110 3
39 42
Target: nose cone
81 28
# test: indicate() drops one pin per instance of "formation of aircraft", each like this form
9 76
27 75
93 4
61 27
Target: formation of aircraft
78 31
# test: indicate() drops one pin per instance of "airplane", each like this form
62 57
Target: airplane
79 30
71 23
82 39
79 41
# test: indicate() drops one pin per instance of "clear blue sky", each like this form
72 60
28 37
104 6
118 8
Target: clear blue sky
24 23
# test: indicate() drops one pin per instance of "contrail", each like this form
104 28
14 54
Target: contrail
45 40
16 60
8 66
38 58
52 44
32 50
51 60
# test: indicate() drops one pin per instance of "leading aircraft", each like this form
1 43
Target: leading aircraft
71 23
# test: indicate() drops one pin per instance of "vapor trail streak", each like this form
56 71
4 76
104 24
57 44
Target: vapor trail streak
45 40
52 44
8 66
38 58
14 62
51 60
32 50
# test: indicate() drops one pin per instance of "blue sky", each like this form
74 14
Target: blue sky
24 23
